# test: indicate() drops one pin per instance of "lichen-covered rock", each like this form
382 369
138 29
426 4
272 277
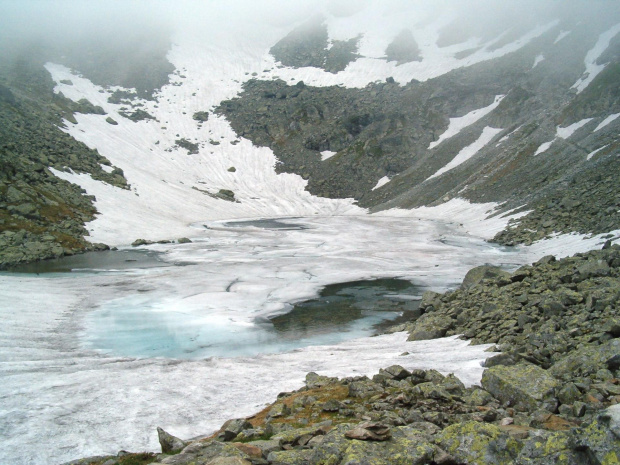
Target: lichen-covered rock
169 444
333 446
395 372
585 361
204 452
314 381
407 447
524 386
477 443
290 457
364 388
232 428
430 326
279 410
370 431
293 436
476 275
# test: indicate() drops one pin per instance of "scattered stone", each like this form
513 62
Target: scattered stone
201 116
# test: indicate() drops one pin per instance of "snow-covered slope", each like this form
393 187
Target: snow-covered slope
170 187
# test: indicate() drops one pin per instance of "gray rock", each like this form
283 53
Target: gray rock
169 444
477 275
395 372
477 443
232 428
314 381
370 431
524 386
290 457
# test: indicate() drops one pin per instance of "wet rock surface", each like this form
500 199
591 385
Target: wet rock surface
551 396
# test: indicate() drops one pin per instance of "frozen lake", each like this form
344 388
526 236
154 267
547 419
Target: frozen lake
93 360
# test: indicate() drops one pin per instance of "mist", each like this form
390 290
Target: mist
97 37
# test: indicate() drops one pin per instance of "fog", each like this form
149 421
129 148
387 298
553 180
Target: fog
63 24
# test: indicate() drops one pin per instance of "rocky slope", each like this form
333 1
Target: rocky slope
551 397
42 216
392 132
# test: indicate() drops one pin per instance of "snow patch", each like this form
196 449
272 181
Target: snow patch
458 124
474 218
565 133
382 182
591 154
592 68
544 147
326 155
488 133
537 60
560 36
610 119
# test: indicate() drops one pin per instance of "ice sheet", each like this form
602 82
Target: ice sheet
62 399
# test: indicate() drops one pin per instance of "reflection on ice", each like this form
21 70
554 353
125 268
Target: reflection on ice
132 327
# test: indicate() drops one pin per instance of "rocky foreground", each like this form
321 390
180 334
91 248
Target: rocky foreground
551 397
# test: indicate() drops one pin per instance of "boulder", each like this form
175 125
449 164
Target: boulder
585 361
205 453
370 431
229 461
169 444
412 450
395 372
524 387
332 447
201 116
232 428
477 443
430 326
314 381
290 457
477 275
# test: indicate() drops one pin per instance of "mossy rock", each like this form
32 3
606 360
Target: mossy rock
290 457
524 387
478 443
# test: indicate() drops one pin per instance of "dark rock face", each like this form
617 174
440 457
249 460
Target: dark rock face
403 49
307 45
